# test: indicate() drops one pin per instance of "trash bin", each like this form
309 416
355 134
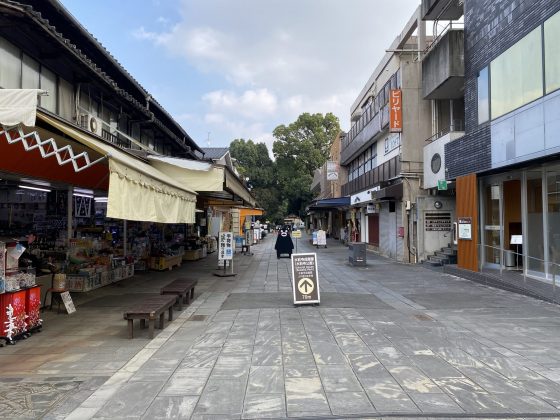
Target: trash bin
510 258
357 256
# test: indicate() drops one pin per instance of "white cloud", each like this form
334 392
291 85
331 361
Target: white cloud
271 61
251 104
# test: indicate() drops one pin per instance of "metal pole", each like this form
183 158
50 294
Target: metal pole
125 239
70 206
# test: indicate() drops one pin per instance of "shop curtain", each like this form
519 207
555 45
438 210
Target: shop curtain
18 106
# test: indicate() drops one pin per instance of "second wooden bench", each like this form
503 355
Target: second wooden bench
183 288
151 308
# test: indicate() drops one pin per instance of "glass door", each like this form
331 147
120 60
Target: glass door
492 229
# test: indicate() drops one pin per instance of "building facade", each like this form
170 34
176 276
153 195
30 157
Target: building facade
383 151
506 166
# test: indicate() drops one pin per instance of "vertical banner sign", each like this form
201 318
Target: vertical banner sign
305 279
225 248
395 111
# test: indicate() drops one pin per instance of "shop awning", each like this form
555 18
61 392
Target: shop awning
237 188
37 153
195 175
339 202
388 193
137 191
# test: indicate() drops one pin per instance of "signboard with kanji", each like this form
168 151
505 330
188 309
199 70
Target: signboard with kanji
305 279
395 111
465 228
225 246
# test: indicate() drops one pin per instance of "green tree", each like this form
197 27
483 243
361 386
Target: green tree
299 149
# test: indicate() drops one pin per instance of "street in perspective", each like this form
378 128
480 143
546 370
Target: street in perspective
387 339
279 209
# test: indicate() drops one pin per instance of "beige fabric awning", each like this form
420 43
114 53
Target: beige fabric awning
137 191
235 185
18 106
198 176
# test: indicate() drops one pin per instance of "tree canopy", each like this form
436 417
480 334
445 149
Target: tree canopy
283 186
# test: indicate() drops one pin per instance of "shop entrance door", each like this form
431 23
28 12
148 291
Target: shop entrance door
492 227
502 220
373 229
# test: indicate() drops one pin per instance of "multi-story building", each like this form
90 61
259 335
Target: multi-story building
443 83
506 166
383 151
329 209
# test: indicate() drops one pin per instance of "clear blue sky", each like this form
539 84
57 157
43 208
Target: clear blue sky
239 68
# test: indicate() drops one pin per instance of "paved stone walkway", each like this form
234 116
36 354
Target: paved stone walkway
388 340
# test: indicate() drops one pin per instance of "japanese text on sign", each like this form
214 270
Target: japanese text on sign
305 278
395 111
225 246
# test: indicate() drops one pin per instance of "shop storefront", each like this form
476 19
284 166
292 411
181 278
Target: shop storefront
520 221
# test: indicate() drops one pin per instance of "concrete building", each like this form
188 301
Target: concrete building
383 151
443 83
329 209
506 166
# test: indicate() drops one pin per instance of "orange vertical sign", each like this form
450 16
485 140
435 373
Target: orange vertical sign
395 111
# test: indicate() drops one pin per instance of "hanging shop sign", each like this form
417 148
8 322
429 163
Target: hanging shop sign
395 111
305 279
465 228
332 171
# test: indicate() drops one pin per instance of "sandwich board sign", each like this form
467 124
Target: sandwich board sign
305 279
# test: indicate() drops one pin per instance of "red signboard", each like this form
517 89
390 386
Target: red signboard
395 111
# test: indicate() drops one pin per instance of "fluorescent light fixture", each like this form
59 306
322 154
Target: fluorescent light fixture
37 182
83 191
34 188
83 195
101 199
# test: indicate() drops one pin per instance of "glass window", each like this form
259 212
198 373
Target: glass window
66 102
48 83
516 75
30 71
553 194
534 242
552 53
483 103
10 70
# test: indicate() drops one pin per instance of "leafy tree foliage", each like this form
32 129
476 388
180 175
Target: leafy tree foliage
300 148
283 186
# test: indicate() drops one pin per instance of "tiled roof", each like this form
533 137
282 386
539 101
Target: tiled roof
214 152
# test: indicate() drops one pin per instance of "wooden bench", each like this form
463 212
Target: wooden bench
150 309
183 288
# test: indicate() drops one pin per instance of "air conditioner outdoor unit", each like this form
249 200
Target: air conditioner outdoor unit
90 123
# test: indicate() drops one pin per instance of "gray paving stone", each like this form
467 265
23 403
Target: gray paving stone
326 353
169 408
266 380
436 403
267 355
338 378
344 403
413 381
260 406
187 381
222 396
130 401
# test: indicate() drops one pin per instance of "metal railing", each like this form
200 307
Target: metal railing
457 126
539 276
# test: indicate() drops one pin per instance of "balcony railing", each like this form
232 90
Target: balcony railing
367 127
382 173
116 139
457 126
